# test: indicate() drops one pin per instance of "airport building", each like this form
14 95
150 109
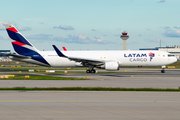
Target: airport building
124 37
175 50
4 52
3 56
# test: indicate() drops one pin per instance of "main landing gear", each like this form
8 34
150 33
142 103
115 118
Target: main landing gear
163 69
91 70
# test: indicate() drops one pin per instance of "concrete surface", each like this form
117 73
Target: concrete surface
63 105
170 79
93 105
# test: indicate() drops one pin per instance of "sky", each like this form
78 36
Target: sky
92 24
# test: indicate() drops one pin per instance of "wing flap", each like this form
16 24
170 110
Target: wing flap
87 61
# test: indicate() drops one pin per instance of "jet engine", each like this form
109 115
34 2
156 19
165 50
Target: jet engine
111 65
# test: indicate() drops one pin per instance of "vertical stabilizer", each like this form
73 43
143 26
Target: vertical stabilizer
21 45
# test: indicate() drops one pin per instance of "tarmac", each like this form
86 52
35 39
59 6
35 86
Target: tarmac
89 105
136 79
94 105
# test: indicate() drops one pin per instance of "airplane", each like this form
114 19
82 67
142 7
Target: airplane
107 59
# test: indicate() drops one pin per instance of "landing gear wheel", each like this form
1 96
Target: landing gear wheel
88 71
162 71
93 71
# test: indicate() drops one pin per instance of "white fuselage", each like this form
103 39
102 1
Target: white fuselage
124 58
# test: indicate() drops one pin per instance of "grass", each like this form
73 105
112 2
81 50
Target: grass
40 78
177 64
90 89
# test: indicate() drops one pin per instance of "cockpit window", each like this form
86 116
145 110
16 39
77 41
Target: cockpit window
170 55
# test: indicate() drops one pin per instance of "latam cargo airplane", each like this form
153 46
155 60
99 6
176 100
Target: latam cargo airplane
108 60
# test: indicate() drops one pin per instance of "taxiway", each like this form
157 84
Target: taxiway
81 105
93 105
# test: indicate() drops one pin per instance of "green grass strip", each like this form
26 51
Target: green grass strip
90 89
31 77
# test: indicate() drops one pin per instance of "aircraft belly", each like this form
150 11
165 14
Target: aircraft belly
31 61
61 62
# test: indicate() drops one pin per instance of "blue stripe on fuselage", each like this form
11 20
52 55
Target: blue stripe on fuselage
27 52
17 37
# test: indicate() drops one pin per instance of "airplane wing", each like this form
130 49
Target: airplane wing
19 56
85 61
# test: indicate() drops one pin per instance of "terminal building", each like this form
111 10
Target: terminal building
4 52
175 50
3 56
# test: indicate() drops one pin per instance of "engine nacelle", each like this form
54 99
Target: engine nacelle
111 65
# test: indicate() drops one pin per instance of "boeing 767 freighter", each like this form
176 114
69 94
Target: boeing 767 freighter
108 60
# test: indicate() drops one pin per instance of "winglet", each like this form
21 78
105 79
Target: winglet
58 51
64 49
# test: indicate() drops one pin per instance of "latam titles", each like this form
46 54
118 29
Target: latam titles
134 57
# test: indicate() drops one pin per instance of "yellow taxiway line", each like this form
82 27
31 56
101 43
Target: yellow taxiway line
51 101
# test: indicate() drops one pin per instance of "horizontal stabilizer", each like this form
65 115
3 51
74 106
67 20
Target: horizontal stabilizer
19 56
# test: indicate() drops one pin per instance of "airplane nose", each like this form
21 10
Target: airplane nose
175 59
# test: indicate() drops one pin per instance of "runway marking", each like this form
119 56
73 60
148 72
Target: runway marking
99 79
96 78
49 101
138 76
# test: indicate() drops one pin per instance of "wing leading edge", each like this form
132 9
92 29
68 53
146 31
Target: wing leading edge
84 61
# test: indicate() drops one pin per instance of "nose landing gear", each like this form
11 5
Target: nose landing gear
163 69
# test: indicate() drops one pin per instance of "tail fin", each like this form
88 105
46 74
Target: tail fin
21 45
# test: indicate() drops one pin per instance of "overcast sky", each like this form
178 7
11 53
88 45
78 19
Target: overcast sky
92 24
